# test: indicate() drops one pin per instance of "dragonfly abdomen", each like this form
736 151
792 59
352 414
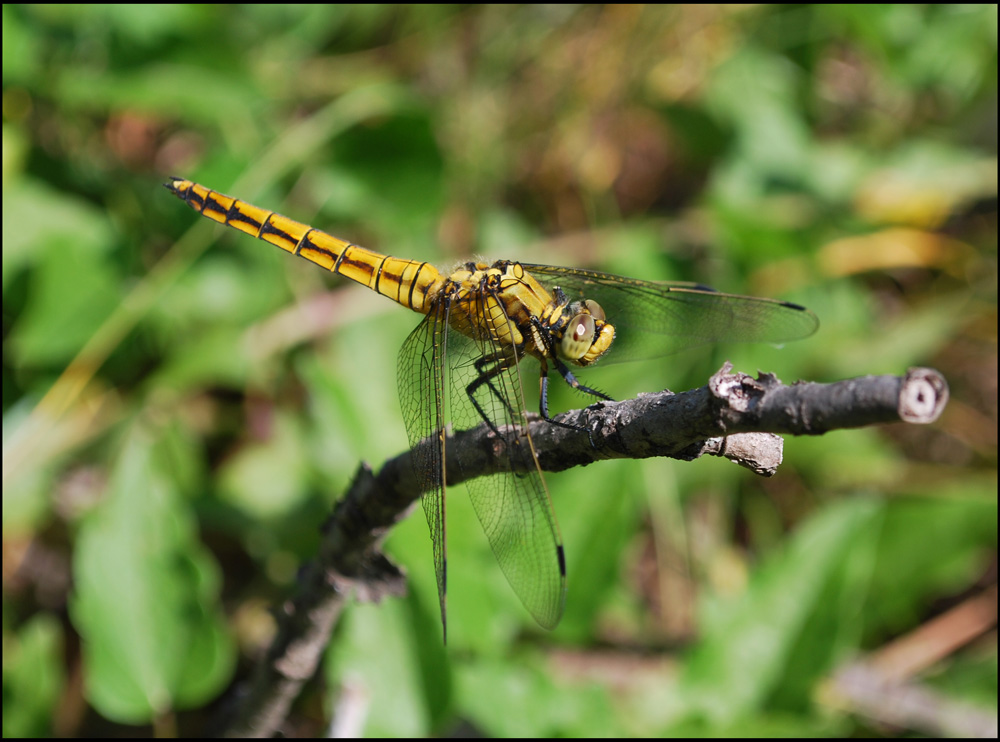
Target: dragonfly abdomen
408 282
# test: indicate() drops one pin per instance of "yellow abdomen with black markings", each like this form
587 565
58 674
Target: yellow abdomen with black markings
408 282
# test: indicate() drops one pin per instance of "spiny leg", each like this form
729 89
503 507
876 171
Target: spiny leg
486 376
570 379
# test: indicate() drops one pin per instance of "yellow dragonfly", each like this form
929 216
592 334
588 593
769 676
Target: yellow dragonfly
463 365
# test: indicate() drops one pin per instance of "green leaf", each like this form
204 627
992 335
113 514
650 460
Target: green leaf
146 598
72 288
384 665
33 677
749 642
267 478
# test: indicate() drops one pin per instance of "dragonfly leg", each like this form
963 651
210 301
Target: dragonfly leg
486 376
570 379
543 399
573 382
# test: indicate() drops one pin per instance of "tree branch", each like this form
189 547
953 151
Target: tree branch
734 415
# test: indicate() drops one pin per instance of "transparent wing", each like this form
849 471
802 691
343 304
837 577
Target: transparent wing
656 318
420 373
513 507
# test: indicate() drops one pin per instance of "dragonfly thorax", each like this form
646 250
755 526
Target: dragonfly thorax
507 305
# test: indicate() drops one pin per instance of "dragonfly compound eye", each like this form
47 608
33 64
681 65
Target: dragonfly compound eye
578 338
595 309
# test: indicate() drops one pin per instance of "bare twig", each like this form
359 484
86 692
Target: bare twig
885 688
734 415
861 689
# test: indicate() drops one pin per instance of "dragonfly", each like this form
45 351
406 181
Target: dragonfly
465 365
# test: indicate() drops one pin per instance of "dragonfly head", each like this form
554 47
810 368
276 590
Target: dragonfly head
588 335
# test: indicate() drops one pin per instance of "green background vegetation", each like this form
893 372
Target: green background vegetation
183 404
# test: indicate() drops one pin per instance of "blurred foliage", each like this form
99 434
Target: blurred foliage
183 404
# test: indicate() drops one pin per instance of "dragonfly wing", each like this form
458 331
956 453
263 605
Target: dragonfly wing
420 373
513 505
656 318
